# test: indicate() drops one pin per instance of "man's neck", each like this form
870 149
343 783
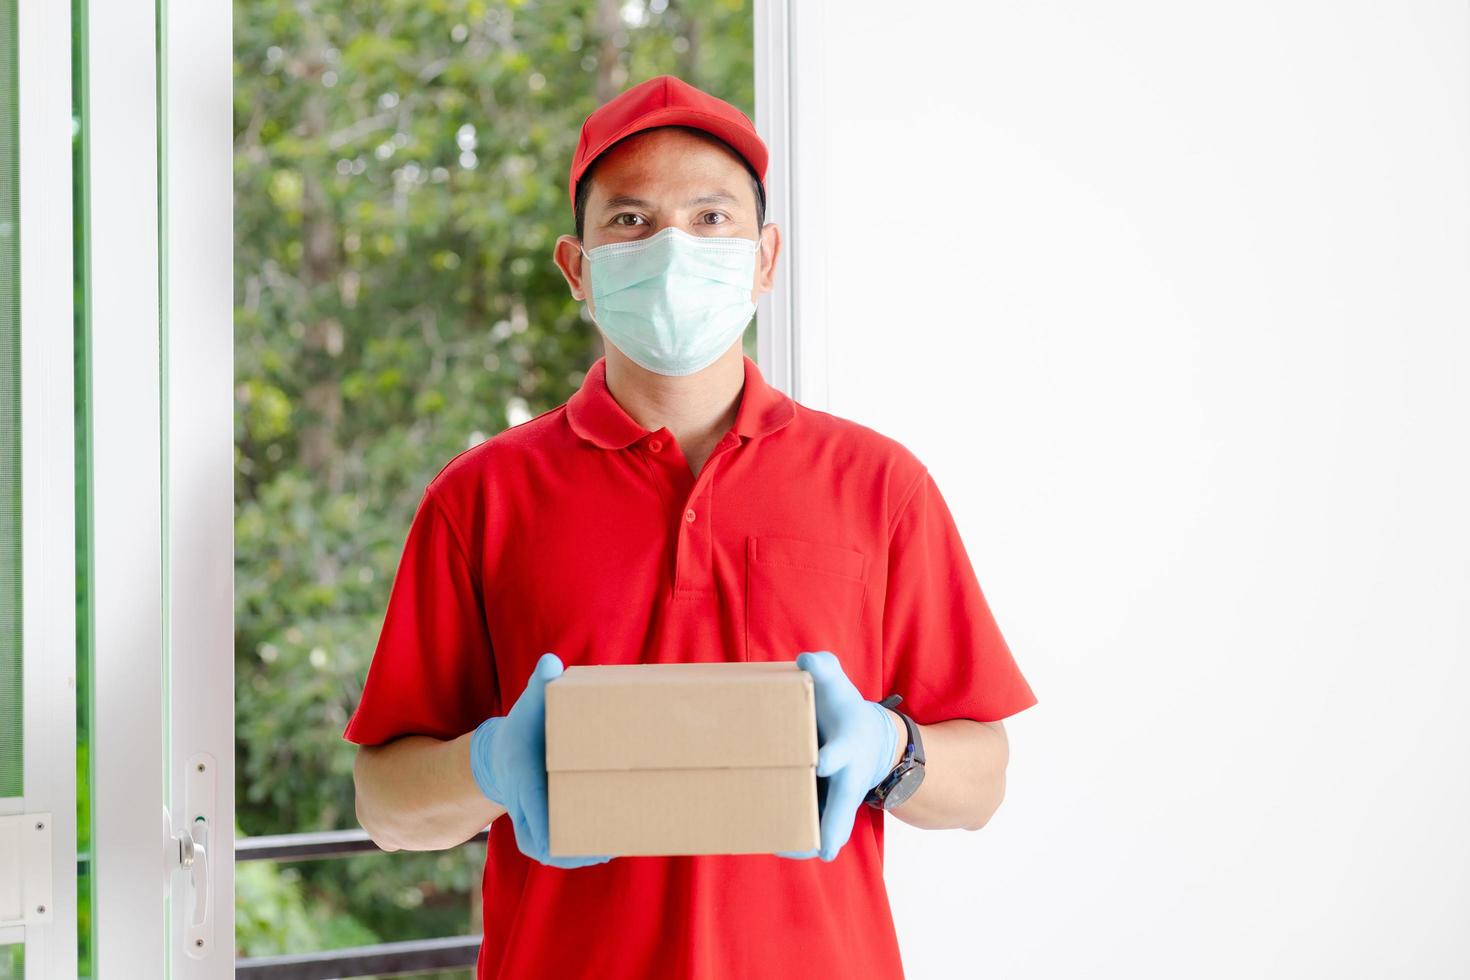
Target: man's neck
697 408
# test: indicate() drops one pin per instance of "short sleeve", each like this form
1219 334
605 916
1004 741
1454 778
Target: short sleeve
942 650
433 669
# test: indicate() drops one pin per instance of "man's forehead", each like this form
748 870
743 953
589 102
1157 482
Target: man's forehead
666 155
671 183
645 197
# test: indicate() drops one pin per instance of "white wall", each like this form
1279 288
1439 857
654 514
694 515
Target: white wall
1173 299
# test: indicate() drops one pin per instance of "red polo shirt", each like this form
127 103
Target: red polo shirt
581 533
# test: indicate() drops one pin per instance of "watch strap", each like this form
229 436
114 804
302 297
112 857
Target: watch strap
913 755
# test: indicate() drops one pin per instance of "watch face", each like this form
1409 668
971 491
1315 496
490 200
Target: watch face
904 788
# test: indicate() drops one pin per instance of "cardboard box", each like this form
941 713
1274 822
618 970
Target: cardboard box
704 758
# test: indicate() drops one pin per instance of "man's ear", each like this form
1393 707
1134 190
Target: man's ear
568 258
765 258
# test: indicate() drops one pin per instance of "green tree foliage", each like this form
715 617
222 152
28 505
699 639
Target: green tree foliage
400 174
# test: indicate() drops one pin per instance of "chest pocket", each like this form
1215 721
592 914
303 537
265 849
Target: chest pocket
801 595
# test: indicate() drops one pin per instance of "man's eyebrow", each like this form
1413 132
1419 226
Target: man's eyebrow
714 197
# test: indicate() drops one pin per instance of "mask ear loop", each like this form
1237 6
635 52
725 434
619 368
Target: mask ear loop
588 301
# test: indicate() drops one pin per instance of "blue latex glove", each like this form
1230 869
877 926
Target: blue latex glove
858 741
508 759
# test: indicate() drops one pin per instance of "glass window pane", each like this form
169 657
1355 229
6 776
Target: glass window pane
400 181
11 749
81 377
12 962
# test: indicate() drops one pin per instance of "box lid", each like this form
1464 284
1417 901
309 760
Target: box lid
680 716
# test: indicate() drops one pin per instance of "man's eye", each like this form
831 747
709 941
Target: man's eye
715 214
626 214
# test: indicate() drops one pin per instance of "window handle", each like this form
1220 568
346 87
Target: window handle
188 851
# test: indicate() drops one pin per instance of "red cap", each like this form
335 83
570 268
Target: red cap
665 101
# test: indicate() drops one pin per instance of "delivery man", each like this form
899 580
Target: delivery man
679 508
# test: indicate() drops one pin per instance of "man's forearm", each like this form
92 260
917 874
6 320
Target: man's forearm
964 774
417 793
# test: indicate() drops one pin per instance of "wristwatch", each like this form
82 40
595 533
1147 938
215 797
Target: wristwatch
905 777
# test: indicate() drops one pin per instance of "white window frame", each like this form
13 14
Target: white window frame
160 292
48 587
793 341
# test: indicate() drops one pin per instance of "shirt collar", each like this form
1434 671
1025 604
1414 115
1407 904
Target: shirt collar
595 415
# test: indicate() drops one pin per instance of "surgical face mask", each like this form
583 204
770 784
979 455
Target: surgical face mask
673 302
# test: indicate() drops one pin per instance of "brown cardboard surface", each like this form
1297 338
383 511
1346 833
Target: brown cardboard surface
681 716
684 811
706 758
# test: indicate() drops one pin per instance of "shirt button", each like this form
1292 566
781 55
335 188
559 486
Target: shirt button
689 515
655 445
